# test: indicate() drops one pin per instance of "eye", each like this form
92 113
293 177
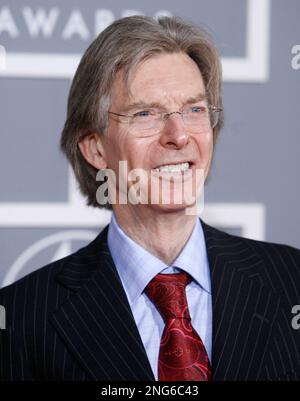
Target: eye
143 114
197 109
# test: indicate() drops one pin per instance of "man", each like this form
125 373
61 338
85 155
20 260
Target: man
159 294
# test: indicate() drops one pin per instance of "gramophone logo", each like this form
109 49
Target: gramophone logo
54 247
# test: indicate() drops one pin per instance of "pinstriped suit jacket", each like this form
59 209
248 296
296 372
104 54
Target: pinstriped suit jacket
71 319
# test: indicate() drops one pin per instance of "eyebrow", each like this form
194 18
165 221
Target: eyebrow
143 104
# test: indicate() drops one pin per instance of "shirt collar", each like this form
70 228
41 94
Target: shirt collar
137 267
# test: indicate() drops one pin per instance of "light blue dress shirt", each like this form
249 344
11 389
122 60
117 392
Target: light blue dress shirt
137 267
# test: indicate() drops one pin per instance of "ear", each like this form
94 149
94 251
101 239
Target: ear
91 147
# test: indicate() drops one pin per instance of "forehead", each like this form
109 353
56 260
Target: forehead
163 78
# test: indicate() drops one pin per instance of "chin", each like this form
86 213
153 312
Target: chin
169 209
165 205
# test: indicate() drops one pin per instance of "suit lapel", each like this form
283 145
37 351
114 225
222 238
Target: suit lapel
244 307
96 322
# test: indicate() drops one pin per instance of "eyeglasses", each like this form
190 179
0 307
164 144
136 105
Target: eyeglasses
196 119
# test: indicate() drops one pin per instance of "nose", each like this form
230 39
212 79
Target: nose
173 134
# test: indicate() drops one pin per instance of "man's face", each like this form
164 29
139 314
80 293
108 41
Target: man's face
168 81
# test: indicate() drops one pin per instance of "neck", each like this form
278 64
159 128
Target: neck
162 234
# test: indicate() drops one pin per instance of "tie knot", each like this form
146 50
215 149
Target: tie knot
167 292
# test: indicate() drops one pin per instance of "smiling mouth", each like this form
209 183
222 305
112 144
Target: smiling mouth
173 168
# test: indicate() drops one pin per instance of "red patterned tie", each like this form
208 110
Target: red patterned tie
182 355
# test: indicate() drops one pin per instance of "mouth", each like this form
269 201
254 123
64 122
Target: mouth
174 167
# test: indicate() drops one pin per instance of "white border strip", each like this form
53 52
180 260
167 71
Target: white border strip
73 213
250 217
253 68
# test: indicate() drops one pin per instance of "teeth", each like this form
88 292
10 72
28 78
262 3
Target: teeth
173 167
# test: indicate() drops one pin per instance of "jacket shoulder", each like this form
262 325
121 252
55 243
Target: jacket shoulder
275 253
31 289
277 265
264 249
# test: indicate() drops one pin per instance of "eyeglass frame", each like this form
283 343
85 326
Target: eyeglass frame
165 116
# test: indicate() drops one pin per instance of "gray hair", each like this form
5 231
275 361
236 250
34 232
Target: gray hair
120 48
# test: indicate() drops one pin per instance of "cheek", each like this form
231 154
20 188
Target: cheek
116 146
205 145
130 150
136 151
